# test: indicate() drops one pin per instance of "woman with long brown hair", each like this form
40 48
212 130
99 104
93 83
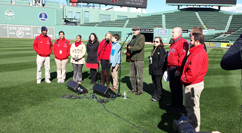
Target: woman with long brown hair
157 59
92 64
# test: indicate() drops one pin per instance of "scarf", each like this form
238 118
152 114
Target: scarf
77 43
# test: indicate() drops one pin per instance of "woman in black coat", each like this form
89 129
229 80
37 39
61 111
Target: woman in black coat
157 60
92 64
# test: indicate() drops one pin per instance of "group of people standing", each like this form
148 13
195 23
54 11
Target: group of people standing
106 53
184 66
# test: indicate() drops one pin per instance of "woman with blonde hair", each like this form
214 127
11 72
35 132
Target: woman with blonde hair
77 52
103 56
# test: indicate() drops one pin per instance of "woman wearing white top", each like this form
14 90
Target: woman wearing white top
77 52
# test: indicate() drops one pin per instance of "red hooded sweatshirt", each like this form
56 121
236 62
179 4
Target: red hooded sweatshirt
177 53
42 45
61 49
196 66
106 50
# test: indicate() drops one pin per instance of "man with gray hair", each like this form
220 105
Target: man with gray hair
136 48
175 61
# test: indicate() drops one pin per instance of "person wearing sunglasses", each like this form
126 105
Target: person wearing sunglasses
157 60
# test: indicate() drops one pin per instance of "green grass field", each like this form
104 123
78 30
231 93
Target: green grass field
28 107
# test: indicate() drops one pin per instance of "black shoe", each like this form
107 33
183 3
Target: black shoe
176 109
92 83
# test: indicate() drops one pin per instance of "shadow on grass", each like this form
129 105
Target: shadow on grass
149 88
166 123
70 75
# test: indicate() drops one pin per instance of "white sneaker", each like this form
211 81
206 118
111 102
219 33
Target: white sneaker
38 81
59 81
62 81
47 81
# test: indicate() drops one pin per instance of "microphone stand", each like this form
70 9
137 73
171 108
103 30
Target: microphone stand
100 61
120 50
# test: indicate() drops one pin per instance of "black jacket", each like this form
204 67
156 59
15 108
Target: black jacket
232 59
92 52
158 59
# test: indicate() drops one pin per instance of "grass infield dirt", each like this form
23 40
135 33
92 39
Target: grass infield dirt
28 107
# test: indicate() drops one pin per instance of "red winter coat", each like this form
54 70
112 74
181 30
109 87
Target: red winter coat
177 53
196 66
62 49
42 45
106 50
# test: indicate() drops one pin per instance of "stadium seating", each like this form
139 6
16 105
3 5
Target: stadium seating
234 36
235 23
116 23
146 21
183 19
214 19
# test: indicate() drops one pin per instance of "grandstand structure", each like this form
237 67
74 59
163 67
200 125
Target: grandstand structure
219 26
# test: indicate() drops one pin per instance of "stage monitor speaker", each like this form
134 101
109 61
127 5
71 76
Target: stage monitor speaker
104 90
76 87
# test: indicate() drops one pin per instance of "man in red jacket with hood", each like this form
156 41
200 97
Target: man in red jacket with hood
192 77
43 46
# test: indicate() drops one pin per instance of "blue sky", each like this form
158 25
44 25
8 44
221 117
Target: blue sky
160 5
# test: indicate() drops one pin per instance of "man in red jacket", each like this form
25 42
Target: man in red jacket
192 77
43 46
175 61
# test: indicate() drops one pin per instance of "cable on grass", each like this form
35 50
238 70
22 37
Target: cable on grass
123 119
102 101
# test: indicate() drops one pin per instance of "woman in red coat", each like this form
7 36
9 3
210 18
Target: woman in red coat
61 52
103 56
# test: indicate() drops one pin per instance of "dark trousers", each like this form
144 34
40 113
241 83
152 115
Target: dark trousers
158 87
77 72
105 65
176 89
93 73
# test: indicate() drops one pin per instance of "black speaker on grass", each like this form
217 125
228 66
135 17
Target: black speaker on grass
76 87
104 90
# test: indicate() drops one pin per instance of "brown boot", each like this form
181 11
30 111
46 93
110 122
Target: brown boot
107 78
103 77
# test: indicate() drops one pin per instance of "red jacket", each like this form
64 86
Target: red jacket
106 50
42 45
196 66
61 49
177 53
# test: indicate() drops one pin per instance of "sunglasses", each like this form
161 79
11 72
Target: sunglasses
156 41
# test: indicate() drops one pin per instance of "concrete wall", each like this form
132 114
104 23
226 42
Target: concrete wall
72 31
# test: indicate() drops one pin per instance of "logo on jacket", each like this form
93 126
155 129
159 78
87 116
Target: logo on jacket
48 42
43 16
171 50
9 14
